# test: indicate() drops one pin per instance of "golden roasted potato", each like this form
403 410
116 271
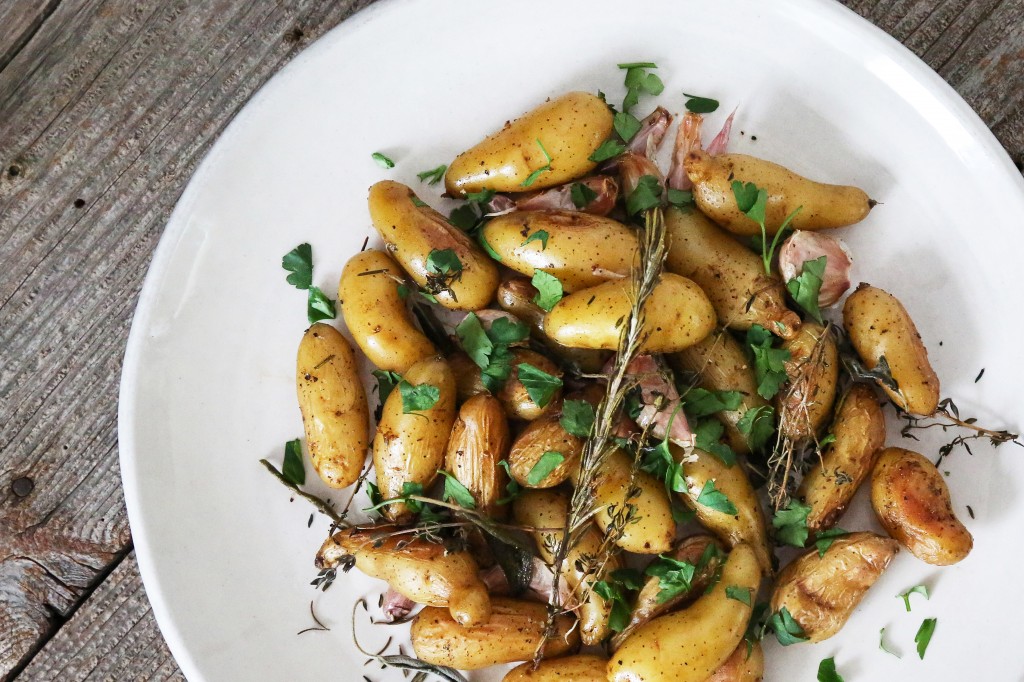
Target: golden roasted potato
859 430
409 447
690 645
804 404
335 415
425 572
648 604
650 528
559 135
732 275
742 666
467 376
578 668
542 435
547 509
479 441
376 315
412 231
516 295
823 206
678 315
513 394
512 634
720 364
582 250
880 327
911 500
821 592
745 526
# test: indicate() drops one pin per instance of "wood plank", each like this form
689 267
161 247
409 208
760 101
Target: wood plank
19 20
113 636
108 106
112 102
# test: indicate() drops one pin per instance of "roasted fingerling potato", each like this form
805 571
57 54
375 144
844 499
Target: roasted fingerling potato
579 668
541 436
412 231
912 502
745 665
804 405
829 485
640 507
376 314
880 327
335 414
425 572
512 634
410 446
478 443
547 146
821 591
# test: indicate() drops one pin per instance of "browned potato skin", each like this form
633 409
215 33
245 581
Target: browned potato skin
582 250
516 295
512 634
579 668
748 525
911 500
467 376
570 127
741 666
376 315
547 509
543 435
828 487
731 274
415 568
335 414
678 315
647 606
804 404
479 441
410 448
824 206
652 528
411 232
721 364
513 395
879 325
822 591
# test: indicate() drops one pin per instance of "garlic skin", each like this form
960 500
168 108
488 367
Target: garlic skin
805 245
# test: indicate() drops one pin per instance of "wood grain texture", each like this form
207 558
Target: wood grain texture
106 107
111 637
106 112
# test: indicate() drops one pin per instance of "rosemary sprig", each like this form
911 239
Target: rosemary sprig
321 505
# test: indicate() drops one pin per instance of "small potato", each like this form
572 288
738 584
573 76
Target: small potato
516 296
648 605
412 232
582 250
859 431
747 524
335 414
880 327
804 405
513 395
823 206
422 571
479 441
821 592
910 498
732 275
542 435
579 668
690 645
678 315
409 448
512 634
651 528
467 376
570 128
547 509
377 316
721 364
742 666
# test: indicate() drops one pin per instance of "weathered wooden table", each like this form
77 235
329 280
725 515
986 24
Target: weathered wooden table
106 107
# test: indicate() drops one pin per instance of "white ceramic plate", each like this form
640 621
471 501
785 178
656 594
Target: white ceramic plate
207 389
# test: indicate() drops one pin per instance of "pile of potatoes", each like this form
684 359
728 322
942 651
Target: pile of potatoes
713 286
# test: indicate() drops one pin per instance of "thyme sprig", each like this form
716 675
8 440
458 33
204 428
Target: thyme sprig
949 412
